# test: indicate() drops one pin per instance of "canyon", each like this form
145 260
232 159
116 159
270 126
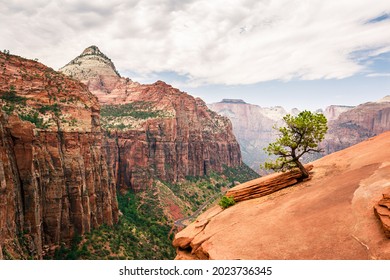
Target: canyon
173 135
348 125
56 181
72 146
95 165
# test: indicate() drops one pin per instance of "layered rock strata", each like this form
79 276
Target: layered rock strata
356 125
161 132
382 211
266 185
253 126
56 179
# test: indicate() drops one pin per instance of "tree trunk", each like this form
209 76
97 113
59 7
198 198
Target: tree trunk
303 170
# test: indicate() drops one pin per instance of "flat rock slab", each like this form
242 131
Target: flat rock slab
328 217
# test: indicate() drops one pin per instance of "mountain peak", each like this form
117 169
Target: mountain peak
92 50
91 63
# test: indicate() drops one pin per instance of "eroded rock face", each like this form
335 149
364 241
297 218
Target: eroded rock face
266 185
253 126
328 217
334 111
357 125
55 175
173 136
382 210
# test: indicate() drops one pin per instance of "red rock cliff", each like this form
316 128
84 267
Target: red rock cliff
356 125
177 135
56 180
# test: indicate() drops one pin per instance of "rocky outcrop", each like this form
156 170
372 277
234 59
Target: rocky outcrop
328 217
334 111
97 71
56 177
266 185
161 132
382 211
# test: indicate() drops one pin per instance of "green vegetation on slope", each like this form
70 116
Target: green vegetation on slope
126 115
136 236
145 229
138 110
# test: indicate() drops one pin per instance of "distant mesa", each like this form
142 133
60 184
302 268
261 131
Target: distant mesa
233 101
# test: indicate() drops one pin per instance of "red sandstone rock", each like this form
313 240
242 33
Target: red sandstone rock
188 140
56 181
266 185
382 210
356 125
327 217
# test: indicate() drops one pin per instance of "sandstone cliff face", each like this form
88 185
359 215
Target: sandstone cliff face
382 210
328 217
356 125
161 132
347 126
253 126
334 111
56 178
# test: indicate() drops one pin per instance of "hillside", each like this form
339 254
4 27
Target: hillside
330 216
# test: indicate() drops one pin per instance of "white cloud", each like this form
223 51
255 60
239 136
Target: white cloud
374 75
219 41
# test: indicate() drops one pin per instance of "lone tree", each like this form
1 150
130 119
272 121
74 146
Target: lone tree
301 135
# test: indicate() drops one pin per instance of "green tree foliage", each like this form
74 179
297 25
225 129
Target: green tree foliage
301 134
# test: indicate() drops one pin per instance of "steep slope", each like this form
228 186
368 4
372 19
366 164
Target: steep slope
98 72
161 132
56 179
330 216
252 125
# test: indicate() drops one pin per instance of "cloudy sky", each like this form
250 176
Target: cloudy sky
294 53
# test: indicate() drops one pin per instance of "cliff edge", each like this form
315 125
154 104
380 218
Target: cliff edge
330 216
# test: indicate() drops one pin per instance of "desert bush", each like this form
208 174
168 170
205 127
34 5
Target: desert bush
226 201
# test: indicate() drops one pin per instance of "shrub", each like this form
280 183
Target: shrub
137 110
226 201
